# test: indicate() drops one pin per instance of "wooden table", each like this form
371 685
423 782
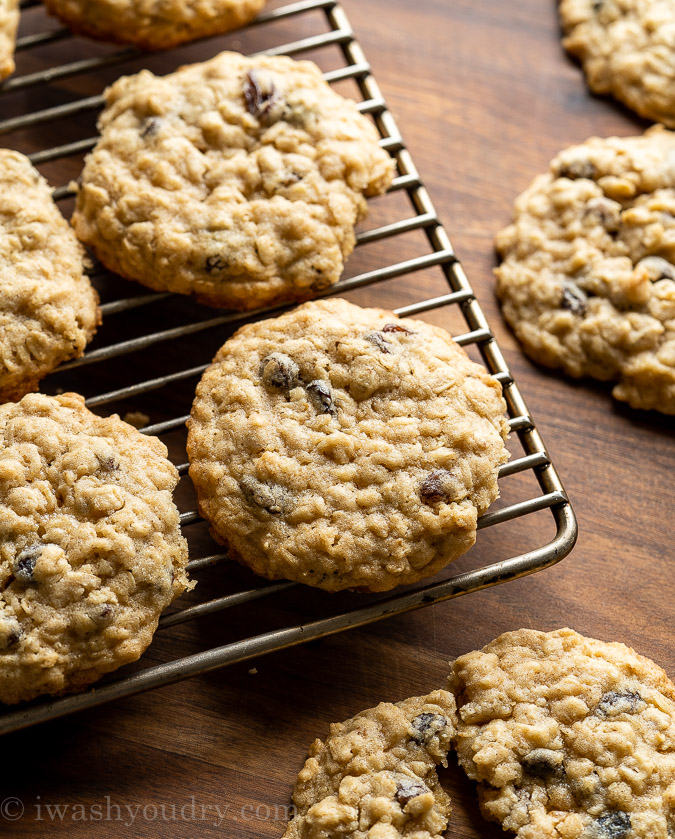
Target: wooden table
484 97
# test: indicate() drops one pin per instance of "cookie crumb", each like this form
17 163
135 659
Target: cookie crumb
136 418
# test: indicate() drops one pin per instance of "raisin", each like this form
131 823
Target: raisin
614 825
397 327
426 726
270 497
24 564
607 212
618 702
409 788
378 340
109 464
263 99
215 263
573 299
438 486
10 633
321 396
542 763
290 178
150 127
103 615
657 268
279 371
574 169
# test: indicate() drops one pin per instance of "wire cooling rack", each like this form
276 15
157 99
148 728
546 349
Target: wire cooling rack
140 351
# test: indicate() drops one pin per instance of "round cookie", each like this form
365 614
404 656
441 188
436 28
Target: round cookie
153 24
238 180
344 447
626 48
90 546
587 280
48 308
568 737
375 775
9 22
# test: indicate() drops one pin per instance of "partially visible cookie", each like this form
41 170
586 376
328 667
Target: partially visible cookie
153 24
344 447
587 279
627 48
48 307
568 737
238 180
375 776
9 22
90 544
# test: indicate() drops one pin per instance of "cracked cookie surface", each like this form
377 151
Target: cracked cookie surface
626 48
9 22
48 307
375 774
153 24
587 279
91 550
238 180
344 447
568 737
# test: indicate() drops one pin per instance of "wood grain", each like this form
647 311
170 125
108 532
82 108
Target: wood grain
484 97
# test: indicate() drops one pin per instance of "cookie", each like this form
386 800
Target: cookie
9 22
344 447
627 49
153 24
568 737
238 180
48 308
90 545
375 775
587 280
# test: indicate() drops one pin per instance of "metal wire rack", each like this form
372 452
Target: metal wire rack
125 348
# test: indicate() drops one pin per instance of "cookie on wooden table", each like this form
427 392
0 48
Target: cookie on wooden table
587 279
344 447
48 307
375 775
153 24
627 48
568 737
90 545
238 180
9 22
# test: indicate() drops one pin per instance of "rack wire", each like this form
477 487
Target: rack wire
125 345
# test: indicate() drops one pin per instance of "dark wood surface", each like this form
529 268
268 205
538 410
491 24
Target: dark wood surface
484 97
